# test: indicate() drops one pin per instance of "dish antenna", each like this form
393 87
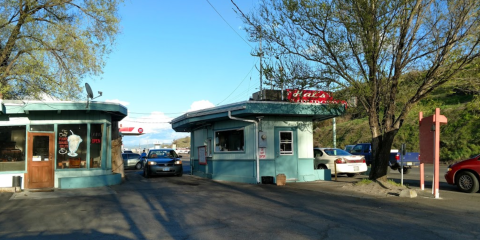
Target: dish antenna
90 93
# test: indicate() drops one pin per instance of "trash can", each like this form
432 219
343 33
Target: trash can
16 181
267 179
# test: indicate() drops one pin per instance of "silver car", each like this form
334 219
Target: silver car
132 160
342 161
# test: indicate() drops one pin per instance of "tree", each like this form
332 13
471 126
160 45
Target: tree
373 49
48 46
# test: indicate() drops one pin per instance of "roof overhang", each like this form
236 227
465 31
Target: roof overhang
317 112
116 110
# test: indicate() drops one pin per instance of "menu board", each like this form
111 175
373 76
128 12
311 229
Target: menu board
202 155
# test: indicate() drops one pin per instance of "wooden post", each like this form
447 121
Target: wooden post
335 171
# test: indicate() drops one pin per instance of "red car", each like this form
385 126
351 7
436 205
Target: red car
465 174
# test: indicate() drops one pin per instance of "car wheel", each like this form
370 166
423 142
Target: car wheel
467 182
180 174
145 173
321 166
351 174
138 166
405 170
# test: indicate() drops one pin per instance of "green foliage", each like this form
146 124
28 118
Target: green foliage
47 47
182 142
459 138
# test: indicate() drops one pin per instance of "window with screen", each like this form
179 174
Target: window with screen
286 143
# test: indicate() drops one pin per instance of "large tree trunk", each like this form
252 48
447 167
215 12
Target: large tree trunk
117 160
381 147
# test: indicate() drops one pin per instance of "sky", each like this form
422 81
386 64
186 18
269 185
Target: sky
172 57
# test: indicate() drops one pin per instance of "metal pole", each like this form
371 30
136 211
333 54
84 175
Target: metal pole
402 150
261 69
334 134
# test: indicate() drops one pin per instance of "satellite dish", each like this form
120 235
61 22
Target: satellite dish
90 93
89 90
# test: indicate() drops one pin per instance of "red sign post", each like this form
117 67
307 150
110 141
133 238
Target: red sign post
430 145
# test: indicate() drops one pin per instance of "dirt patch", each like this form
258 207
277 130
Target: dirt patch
375 188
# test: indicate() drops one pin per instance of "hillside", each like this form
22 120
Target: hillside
459 138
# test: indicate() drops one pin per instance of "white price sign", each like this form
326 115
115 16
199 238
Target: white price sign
262 153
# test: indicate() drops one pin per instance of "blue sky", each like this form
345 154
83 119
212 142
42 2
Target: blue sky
176 56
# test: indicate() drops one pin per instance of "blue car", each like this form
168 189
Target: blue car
163 162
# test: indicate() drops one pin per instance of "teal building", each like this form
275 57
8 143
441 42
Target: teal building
246 141
58 144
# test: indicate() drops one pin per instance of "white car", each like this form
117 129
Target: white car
325 158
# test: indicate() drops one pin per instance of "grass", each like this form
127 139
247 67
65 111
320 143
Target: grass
391 181
364 181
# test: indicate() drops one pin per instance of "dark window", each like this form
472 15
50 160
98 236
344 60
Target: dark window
96 145
12 148
230 140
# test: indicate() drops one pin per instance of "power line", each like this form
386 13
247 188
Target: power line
228 24
238 84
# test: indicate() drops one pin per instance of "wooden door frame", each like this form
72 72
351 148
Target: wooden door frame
51 149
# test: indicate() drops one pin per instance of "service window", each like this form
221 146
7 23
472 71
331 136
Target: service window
230 140
286 143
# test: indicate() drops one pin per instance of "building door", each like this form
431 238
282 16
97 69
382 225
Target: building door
286 156
41 159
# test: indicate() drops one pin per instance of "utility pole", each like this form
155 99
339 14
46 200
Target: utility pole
334 134
261 69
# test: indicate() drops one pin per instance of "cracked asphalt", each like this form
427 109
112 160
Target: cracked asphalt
189 207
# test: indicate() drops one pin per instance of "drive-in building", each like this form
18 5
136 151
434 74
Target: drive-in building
245 141
60 144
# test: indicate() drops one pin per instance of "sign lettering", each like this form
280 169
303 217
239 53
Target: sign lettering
311 96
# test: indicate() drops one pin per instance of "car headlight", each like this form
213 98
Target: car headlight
449 169
178 162
152 163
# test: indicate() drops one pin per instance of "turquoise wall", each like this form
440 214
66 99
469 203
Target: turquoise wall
241 166
69 178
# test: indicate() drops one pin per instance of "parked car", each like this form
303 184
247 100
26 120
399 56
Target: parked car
348 147
325 158
163 161
465 174
132 160
410 159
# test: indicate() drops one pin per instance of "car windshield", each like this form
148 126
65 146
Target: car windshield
336 152
162 154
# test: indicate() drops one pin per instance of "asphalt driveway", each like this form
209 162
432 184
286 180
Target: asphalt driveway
189 207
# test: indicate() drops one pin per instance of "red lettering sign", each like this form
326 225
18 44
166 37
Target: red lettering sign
311 96
96 141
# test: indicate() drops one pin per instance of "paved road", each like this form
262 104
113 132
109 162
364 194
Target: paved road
193 208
